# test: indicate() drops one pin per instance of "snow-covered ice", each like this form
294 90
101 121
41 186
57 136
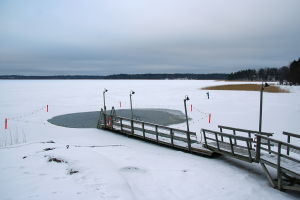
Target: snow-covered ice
111 166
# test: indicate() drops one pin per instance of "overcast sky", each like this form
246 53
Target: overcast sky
100 37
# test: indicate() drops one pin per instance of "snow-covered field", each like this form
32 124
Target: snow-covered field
112 166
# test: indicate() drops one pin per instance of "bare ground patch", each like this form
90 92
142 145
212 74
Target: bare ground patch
247 87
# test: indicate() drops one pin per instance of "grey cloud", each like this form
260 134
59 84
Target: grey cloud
133 36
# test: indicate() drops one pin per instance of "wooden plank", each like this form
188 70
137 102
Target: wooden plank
274 165
267 174
249 150
241 150
237 156
202 151
294 188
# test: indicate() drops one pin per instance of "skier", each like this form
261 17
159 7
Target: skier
207 93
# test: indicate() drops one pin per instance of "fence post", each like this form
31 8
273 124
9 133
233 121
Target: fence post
188 140
156 133
221 135
258 141
112 122
121 124
217 141
279 180
172 137
234 138
269 146
104 119
249 135
132 128
204 135
143 127
5 124
288 148
231 145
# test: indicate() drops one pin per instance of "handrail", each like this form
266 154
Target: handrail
229 135
291 134
245 130
152 124
279 141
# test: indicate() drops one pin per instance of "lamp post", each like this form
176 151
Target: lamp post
263 86
105 90
186 117
130 94
187 123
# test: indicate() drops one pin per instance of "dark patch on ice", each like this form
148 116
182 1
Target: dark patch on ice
49 149
89 119
132 169
71 171
51 141
57 160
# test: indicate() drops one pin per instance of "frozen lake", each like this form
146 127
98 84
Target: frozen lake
281 111
132 169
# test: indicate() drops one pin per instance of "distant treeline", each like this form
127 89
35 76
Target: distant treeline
126 76
287 74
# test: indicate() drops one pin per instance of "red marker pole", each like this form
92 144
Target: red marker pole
47 108
209 118
191 107
5 124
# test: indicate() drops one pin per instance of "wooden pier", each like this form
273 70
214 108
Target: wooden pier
260 147
154 133
243 144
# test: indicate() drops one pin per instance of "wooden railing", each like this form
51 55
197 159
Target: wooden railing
289 136
149 131
284 163
250 134
224 143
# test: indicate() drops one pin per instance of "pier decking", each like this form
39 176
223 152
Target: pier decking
243 144
260 147
154 133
